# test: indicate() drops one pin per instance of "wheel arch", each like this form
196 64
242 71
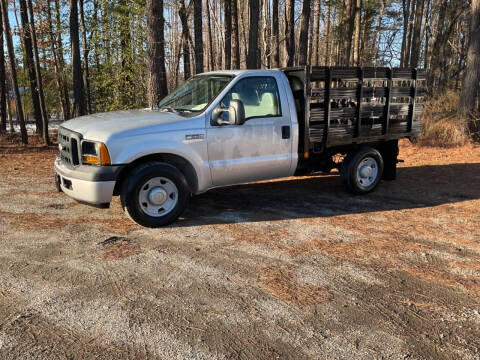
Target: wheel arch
182 164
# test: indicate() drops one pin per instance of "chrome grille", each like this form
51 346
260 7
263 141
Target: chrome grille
68 142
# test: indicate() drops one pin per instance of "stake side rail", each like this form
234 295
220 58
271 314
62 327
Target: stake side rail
355 105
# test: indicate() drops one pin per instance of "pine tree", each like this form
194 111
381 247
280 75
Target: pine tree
198 29
27 40
38 74
185 39
3 83
157 77
290 31
78 90
303 59
471 81
253 53
228 33
13 69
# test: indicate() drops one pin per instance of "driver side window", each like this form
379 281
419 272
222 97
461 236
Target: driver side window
259 96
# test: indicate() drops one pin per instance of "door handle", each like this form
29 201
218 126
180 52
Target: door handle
285 132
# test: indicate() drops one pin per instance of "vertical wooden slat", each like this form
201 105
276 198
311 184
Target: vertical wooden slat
308 95
388 97
327 105
411 112
358 131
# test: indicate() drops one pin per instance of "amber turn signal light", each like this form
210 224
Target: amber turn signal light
104 155
90 159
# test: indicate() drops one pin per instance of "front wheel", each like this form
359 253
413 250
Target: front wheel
155 194
362 171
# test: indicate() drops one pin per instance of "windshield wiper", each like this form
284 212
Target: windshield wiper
169 109
183 110
175 110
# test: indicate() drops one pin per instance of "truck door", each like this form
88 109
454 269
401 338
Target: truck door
259 149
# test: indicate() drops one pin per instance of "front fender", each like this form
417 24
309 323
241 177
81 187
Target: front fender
194 151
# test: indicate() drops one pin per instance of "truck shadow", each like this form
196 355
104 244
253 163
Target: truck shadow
324 196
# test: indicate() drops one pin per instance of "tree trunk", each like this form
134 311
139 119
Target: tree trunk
228 33
11 56
408 47
27 41
304 28
266 35
316 36
427 17
253 53
461 59
210 37
356 37
350 13
9 114
3 84
327 34
78 91
182 11
219 40
367 51
126 83
59 75
61 59
96 32
156 73
275 35
236 36
38 74
417 31
470 89
437 45
406 14
198 29
377 37
86 75
243 16
311 38
290 31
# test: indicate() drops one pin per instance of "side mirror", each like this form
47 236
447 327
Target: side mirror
236 114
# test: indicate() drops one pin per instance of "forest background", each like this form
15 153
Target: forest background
66 58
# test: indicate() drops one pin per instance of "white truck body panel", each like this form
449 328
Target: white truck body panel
220 155
255 150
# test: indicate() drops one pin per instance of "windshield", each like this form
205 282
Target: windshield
196 93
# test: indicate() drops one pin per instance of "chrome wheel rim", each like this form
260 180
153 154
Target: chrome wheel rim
367 172
158 197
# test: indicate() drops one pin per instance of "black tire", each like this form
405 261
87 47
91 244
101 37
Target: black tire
137 178
350 168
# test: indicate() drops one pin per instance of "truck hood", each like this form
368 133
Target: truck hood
102 126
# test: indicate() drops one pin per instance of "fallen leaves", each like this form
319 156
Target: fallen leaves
281 282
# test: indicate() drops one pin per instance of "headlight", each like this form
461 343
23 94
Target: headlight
95 153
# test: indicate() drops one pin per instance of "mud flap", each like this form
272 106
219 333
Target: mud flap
390 151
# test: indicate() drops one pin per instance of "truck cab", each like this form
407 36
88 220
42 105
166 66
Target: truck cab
218 129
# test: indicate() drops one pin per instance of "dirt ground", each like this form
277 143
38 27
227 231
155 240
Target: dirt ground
291 269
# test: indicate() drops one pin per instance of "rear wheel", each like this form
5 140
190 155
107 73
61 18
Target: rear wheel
155 194
362 171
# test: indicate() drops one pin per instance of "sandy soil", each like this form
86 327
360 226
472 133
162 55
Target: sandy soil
292 269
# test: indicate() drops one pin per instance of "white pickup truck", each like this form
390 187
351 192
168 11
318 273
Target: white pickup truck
230 127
